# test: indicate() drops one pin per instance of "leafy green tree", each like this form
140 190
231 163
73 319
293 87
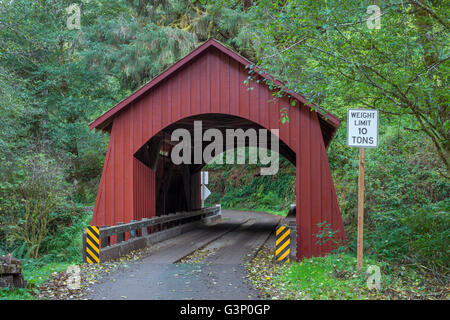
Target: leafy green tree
64 91
135 40
332 52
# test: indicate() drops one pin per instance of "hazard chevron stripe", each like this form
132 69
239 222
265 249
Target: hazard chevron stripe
92 245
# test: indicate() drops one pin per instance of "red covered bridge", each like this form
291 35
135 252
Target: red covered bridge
140 181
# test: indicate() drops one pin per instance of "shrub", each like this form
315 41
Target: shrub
44 205
417 236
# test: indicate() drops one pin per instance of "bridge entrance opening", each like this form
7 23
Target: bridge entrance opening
205 136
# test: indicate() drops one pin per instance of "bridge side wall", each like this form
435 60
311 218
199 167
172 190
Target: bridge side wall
316 196
143 191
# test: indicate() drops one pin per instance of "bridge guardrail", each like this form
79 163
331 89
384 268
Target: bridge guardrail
162 228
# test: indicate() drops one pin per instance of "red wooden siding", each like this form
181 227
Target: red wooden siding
212 82
144 191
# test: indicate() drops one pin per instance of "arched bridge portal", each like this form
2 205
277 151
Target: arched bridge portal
140 181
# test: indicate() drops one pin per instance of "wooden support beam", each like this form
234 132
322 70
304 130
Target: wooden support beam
153 152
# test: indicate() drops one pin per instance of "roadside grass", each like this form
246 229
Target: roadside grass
331 277
336 277
35 276
16 294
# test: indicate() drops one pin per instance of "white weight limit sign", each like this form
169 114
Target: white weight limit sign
362 128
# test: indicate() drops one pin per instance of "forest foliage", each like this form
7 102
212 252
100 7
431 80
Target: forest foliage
54 81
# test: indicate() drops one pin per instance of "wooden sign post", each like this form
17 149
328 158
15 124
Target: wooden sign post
360 208
362 132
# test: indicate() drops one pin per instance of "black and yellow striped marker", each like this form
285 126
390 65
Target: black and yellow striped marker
92 244
283 244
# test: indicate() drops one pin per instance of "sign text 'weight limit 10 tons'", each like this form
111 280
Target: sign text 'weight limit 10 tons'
362 128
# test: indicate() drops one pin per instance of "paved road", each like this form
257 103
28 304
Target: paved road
221 274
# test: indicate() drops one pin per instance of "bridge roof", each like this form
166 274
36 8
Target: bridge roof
103 122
